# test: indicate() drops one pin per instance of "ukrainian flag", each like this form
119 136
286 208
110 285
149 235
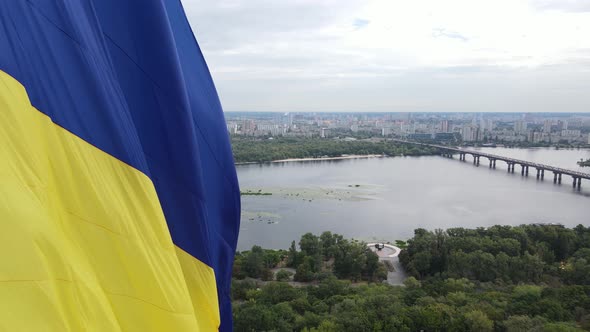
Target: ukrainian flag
119 203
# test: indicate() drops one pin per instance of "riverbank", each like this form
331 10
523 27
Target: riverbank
356 156
359 156
248 150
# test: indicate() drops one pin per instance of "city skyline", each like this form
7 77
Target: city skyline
383 56
488 128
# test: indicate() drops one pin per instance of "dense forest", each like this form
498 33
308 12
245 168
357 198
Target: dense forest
251 149
502 278
550 254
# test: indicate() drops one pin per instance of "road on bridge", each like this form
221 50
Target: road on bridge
541 168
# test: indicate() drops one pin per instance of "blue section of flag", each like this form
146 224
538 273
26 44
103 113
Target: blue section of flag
129 77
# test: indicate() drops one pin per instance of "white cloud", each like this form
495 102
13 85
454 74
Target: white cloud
344 55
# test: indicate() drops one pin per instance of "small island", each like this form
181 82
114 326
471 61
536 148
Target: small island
584 163
254 193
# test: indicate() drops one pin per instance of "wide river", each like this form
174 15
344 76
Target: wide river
387 198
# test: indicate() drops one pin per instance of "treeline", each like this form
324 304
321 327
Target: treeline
529 253
430 305
525 278
320 257
249 149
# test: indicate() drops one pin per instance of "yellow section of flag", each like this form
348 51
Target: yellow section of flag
84 245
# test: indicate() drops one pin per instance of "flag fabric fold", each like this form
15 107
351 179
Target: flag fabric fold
119 203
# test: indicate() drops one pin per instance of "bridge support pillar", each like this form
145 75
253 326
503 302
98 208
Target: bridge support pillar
526 172
490 163
542 174
554 177
511 168
494 165
522 167
579 183
559 178
477 161
538 173
575 182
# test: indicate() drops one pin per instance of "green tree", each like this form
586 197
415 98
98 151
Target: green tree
305 270
276 292
326 326
253 263
478 321
240 287
283 275
310 245
561 327
253 317
524 324
292 256
328 243
401 244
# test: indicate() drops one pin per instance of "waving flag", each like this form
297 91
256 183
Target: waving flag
119 203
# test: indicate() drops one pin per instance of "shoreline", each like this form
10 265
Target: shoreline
355 156
363 156
352 156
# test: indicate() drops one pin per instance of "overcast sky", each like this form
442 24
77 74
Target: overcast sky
397 55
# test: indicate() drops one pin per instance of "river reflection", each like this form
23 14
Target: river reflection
387 198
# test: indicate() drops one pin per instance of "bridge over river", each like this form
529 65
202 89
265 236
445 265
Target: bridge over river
448 151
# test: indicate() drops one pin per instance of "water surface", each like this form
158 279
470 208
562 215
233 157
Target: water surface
387 198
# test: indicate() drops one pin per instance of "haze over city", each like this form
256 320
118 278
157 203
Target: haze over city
397 56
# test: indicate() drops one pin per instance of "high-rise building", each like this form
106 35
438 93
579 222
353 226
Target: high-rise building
480 135
547 126
470 133
487 125
266 129
248 126
444 126
520 127
570 133
232 128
